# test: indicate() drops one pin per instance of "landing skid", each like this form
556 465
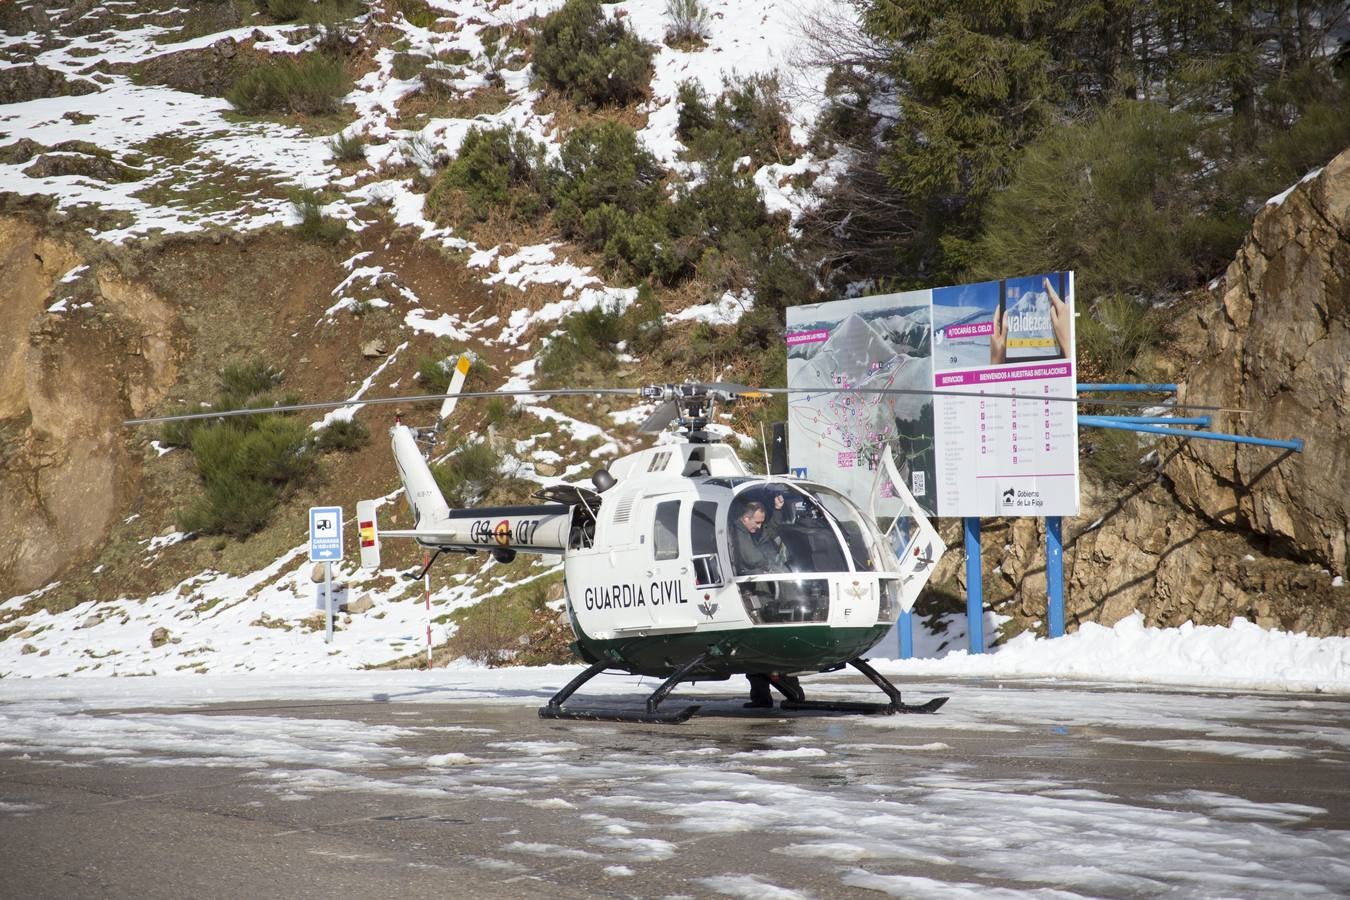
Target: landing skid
556 710
795 699
895 706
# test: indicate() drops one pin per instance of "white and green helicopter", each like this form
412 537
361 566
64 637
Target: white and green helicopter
679 562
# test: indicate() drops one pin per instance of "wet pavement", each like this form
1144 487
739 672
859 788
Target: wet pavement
1016 787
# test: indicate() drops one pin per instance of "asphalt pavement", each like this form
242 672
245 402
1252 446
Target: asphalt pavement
483 800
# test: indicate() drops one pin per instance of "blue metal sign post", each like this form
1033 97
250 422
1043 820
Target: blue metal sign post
1054 577
974 586
325 546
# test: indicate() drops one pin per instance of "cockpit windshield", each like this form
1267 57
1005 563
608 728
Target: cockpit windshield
779 528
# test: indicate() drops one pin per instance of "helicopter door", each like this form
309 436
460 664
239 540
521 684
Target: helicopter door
667 566
912 537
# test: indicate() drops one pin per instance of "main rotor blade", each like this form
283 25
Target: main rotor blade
662 416
993 395
412 398
637 392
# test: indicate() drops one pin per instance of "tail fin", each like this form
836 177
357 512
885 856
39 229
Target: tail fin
429 508
456 382
428 504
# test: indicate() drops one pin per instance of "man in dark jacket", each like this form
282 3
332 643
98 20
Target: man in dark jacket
758 549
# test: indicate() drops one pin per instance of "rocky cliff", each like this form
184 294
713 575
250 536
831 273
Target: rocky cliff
80 346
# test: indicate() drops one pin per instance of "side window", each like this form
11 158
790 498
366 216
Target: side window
665 530
704 528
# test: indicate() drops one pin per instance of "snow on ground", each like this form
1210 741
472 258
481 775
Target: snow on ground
193 165
259 622
1242 655
225 172
256 623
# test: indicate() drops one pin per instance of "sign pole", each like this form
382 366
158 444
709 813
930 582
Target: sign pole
1054 577
974 586
328 601
325 546
426 596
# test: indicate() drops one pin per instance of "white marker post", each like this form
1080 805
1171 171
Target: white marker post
325 546
426 596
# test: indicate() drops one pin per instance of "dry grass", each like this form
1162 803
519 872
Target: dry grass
567 116
419 108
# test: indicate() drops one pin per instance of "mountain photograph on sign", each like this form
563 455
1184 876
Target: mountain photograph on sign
870 342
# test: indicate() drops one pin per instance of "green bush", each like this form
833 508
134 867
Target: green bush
246 384
693 112
1122 199
342 434
470 472
608 195
311 11
497 410
497 169
587 342
605 164
1118 333
314 225
644 322
595 60
589 339
347 146
245 463
236 508
313 84
416 12
688 27
749 118
407 66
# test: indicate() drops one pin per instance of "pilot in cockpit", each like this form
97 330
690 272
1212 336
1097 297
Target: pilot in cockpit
757 547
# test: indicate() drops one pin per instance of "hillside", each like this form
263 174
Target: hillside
150 238
350 236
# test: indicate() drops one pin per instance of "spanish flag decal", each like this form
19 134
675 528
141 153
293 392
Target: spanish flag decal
367 533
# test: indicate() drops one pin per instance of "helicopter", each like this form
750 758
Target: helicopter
679 563
663 572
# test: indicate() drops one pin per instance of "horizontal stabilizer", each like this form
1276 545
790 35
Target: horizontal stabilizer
368 533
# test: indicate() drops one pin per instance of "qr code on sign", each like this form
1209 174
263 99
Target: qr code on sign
918 483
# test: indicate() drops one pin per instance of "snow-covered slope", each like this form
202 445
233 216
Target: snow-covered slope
171 161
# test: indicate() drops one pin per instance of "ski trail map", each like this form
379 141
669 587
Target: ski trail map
959 453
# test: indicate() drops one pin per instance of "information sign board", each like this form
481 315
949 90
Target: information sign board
960 453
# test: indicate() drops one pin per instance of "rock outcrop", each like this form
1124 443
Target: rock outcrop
1279 346
81 348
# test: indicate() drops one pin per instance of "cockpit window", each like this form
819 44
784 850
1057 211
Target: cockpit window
780 528
856 532
776 528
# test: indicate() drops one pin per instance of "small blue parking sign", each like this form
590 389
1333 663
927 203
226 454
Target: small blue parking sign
325 533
